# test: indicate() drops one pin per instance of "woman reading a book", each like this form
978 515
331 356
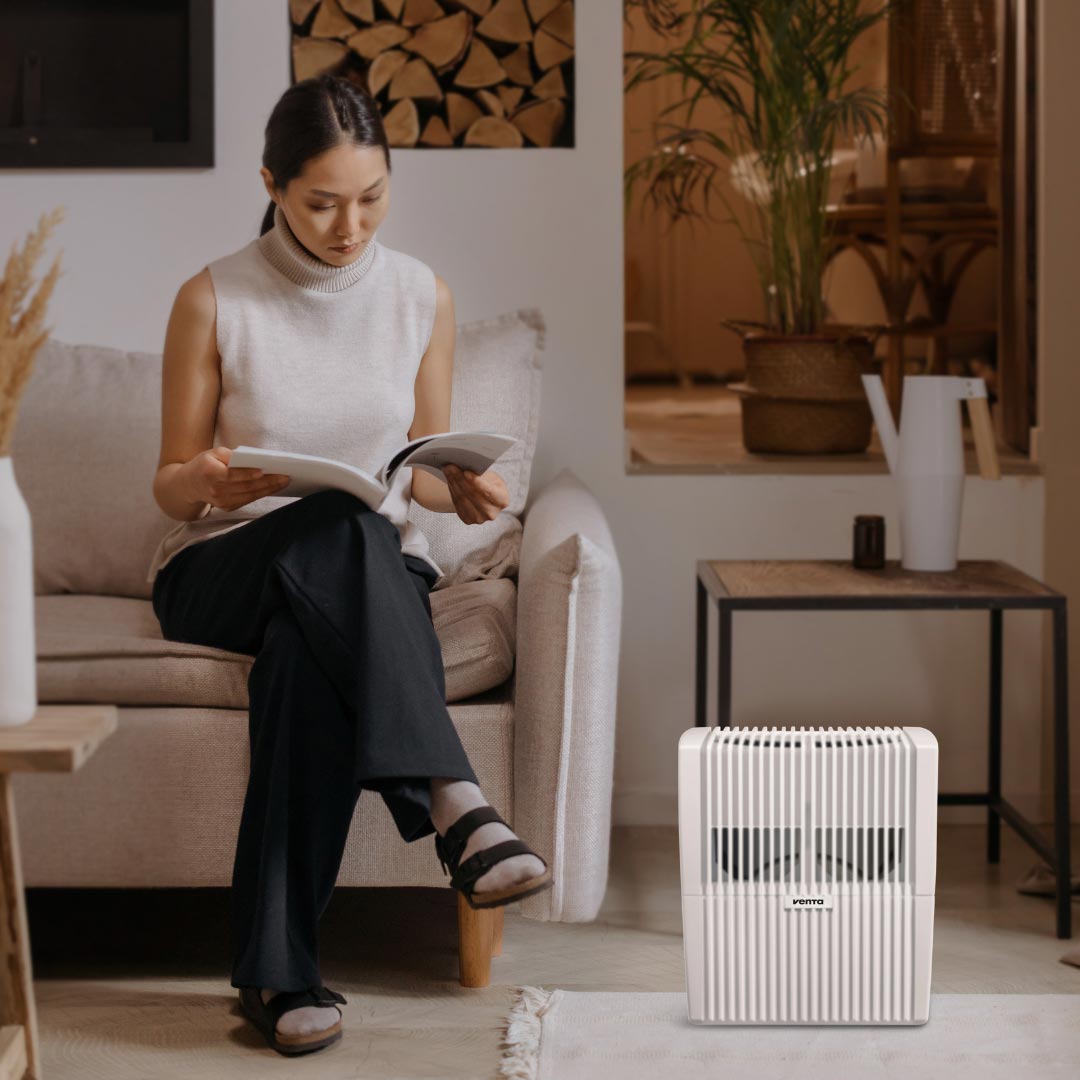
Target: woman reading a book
315 338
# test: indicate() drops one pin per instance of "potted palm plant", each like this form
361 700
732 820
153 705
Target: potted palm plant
781 71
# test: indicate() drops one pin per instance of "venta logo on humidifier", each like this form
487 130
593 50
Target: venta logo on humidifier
792 902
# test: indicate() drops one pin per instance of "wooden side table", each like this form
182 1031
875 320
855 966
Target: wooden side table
58 739
835 585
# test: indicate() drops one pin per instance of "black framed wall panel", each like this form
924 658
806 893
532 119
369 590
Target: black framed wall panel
106 83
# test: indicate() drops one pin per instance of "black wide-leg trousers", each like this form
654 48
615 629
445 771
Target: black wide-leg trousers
347 691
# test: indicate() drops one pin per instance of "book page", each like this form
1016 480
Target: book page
474 450
310 473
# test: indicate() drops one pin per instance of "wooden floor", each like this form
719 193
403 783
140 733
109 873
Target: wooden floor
136 984
698 429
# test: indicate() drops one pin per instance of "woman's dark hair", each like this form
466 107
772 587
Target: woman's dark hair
314 116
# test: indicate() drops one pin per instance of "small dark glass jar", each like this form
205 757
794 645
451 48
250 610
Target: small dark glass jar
869 542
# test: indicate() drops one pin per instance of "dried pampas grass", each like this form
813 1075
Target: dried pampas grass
21 334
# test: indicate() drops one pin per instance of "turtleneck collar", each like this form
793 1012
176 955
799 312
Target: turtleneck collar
285 253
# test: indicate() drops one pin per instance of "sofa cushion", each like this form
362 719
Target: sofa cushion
85 449
110 649
496 387
88 434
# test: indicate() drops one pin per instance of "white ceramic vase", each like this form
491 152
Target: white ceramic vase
18 654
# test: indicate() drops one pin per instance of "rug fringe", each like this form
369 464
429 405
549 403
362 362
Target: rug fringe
521 1040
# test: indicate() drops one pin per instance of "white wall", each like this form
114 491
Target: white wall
1058 250
519 228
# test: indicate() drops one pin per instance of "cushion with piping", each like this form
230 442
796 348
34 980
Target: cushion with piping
496 387
110 649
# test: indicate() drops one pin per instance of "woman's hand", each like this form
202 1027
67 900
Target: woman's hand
208 478
478 497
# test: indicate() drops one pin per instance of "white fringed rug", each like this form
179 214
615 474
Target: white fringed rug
565 1035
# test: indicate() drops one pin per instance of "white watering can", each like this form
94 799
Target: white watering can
927 459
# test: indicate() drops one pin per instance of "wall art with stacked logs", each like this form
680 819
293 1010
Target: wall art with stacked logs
449 73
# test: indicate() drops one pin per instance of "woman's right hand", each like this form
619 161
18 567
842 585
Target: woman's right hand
210 479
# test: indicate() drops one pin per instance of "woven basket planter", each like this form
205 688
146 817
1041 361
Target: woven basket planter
803 394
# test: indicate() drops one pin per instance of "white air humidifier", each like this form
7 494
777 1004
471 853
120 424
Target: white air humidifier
808 859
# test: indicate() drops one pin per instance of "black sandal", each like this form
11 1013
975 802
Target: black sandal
265 1015
450 846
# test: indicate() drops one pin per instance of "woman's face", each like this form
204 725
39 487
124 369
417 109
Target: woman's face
340 198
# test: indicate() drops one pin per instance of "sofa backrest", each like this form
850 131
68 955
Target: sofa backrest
88 435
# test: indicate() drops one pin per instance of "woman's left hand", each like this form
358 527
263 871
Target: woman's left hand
478 497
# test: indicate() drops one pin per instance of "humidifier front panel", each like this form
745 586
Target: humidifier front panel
807 860
752 960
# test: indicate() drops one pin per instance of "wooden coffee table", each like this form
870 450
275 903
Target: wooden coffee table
835 585
58 739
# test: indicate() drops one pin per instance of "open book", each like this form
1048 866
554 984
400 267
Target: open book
473 450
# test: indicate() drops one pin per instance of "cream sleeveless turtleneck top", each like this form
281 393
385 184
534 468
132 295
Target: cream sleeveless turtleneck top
318 359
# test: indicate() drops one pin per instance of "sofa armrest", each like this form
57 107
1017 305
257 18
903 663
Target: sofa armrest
565 679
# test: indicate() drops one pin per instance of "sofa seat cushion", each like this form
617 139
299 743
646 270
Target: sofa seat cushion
110 649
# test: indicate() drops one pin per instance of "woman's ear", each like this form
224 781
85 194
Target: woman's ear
268 182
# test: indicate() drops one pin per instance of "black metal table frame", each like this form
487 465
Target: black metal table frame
1056 854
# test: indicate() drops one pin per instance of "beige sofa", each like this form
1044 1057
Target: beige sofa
528 615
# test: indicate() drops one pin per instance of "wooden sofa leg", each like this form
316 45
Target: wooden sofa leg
475 933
